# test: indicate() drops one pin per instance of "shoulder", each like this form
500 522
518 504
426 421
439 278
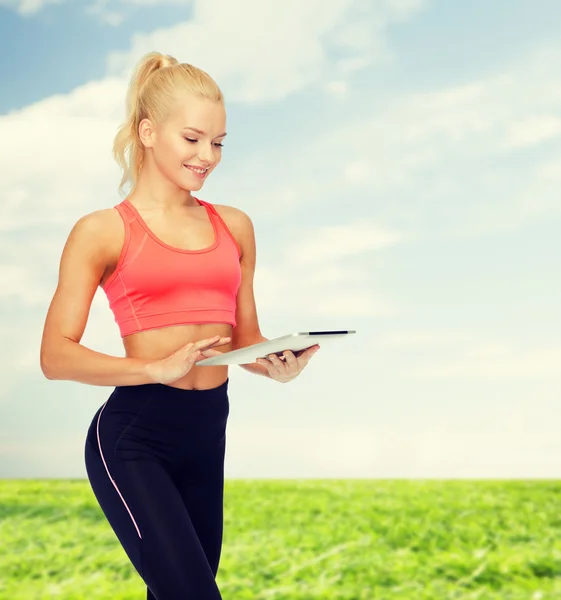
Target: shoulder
105 222
240 225
102 229
233 213
94 223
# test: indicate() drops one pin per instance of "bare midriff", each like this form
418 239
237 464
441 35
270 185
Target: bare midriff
160 343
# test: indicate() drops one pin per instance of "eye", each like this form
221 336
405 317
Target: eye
193 141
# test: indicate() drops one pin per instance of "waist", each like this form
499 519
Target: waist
172 393
168 403
163 416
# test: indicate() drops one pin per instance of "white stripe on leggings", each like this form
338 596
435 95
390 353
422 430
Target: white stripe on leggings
112 481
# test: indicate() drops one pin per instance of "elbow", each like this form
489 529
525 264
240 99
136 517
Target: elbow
51 358
47 366
46 372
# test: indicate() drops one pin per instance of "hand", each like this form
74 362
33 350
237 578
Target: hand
178 364
291 367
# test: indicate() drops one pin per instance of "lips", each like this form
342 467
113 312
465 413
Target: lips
196 174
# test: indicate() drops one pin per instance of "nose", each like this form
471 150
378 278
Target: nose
206 154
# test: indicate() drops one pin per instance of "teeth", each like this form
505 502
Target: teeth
197 170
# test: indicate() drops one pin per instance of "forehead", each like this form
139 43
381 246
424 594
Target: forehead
193 111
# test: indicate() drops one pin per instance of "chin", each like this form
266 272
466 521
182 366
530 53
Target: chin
190 186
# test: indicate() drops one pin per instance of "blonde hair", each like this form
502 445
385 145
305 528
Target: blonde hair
153 90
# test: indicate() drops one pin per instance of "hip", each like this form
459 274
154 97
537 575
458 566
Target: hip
161 418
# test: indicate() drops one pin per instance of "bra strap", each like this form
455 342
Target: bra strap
225 227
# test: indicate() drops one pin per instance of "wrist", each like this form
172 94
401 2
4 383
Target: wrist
147 370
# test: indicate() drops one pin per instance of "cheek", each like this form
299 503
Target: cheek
171 153
179 149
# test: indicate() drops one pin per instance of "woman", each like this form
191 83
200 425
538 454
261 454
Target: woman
178 274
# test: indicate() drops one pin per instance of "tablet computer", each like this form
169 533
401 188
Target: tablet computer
293 341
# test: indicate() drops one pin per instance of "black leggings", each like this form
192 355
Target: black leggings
155 460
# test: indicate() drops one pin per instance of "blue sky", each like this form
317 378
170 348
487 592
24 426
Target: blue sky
401 162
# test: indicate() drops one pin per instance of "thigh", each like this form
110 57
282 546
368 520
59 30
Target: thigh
201 486
174 564
113 506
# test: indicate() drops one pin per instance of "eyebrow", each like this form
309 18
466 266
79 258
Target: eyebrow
202 132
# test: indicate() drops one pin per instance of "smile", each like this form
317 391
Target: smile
200 173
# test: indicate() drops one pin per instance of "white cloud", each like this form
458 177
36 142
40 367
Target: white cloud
550 170
401 10
496 360
262 449
19 281
321 244
27 7
109 16
330 290
157 2
532 130
437 162
356 172
424 339
113 12
457 354
442 159
338 88
58 164
273 54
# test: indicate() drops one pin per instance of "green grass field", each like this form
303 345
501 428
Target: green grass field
306 539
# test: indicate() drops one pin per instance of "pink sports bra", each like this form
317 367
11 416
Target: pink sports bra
156 285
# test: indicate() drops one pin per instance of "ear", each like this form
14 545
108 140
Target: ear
146 133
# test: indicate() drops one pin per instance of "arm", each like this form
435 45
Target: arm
246 331
84 259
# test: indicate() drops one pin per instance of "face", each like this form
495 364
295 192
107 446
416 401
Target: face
178 150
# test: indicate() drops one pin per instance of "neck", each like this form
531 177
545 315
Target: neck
157 192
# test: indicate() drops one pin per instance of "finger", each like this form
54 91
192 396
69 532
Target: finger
222 342
277 362
289 357
203 343
216 340
210 352
197 347
265 362
202 354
